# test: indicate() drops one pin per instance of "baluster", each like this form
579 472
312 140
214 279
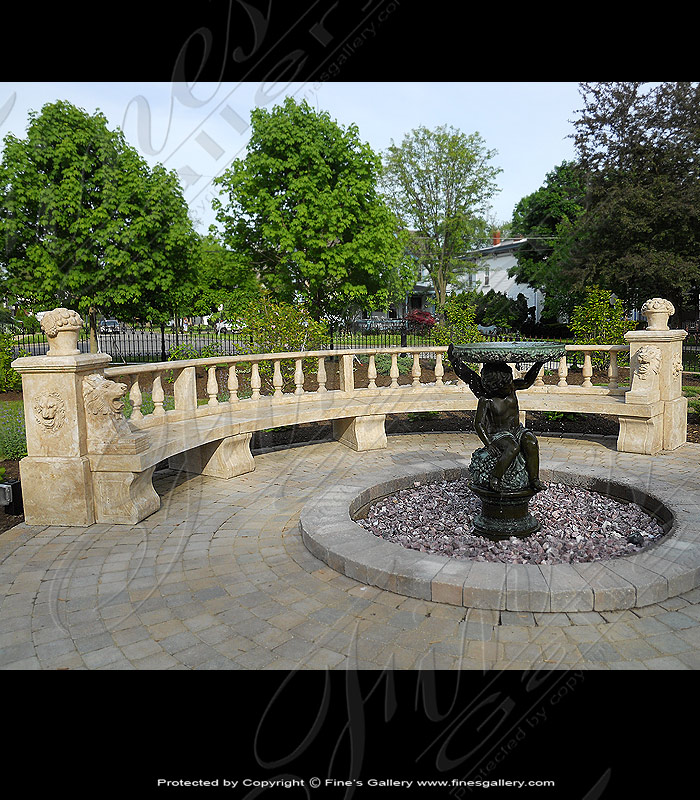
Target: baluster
612 370
415 370
439 369
563 371
394 371
587 371
299 377
277 379
372 373
158 397
232 384
255 382
136 399
212 386
321 374
539 380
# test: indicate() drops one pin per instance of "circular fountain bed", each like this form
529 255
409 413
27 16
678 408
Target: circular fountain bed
577 525
581 560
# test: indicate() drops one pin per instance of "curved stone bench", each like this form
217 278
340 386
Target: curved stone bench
665 569
86 462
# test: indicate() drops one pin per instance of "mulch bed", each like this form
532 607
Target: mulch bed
436 421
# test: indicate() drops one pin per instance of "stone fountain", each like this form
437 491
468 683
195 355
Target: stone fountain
504 473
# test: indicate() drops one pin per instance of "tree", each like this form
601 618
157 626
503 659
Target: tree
546 218
640 233
302 211
439 183
85 223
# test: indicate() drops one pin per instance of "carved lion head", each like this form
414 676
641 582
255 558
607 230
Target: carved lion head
103 396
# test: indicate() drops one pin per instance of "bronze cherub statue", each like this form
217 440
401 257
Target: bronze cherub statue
510 451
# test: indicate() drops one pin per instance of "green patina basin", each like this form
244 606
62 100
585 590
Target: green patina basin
519 352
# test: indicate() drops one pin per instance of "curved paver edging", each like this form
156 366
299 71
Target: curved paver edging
665 569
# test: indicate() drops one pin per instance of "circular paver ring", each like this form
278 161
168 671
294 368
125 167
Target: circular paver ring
667 568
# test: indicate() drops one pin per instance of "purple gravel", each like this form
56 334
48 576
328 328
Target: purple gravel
578 525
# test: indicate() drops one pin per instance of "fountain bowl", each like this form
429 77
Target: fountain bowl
518 352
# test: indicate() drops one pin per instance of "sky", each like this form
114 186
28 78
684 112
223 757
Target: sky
199 129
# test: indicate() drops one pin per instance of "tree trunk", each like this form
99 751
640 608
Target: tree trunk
163 354
92 318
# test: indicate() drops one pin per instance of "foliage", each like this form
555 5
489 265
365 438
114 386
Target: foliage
439 183
459 326
85 223
382 362
546 218
496 308
302 211
13 438
278 327
599 319
223 280
10 381
640 233
420 322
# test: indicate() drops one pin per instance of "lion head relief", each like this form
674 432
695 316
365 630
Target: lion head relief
49 410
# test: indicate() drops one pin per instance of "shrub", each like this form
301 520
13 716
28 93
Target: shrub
600 319
459 326
10 381
382 361
420 322
279 327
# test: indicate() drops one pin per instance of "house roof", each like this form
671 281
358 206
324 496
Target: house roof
507 246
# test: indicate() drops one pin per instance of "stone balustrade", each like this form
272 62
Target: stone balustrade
87 462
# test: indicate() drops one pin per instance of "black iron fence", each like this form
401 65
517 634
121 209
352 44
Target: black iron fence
131 345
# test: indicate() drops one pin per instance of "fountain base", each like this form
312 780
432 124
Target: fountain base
504 514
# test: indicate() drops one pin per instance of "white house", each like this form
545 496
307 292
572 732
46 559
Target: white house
493 263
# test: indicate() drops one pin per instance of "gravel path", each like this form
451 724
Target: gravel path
578 525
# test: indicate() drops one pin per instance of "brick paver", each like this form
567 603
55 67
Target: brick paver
219 578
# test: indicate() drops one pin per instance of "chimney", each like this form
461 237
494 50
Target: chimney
496 237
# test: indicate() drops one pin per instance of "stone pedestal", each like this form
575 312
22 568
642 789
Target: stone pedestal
656 368
56 481
72 411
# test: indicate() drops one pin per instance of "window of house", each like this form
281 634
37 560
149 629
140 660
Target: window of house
486 276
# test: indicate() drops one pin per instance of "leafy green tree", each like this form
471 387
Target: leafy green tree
303 213
223 286
439 183
86 224
640 233
546 218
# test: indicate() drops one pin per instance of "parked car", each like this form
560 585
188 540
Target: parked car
109 326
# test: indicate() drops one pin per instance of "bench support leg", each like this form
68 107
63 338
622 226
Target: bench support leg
226 458
641 434
124 498
361 433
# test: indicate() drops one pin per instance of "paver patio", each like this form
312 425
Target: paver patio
219 578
